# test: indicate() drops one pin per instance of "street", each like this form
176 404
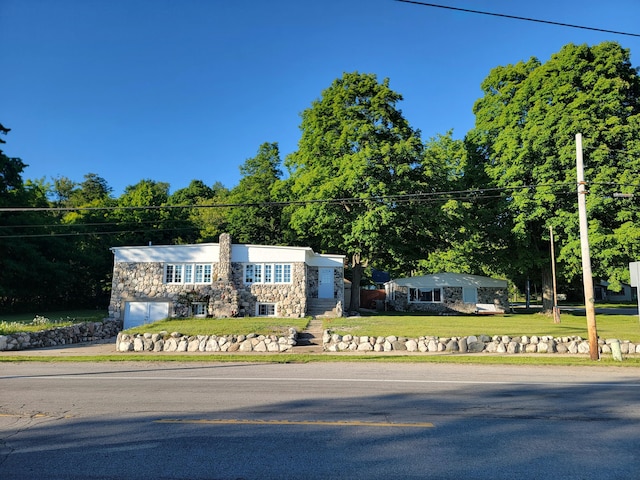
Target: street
317 420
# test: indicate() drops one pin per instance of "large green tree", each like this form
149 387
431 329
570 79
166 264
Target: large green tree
524 141
255 218
358 161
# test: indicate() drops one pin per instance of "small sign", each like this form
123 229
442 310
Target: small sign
634 269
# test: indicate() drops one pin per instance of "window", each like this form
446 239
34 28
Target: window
199 309
266 309
425 295
203 274
187 273
267 273
173 274
268 277
253 273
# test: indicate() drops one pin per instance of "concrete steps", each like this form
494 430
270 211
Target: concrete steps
310 340
321 307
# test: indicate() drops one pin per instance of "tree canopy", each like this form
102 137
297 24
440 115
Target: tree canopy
356 155
363 183
524 140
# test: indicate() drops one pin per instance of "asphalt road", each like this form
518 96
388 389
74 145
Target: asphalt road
317 421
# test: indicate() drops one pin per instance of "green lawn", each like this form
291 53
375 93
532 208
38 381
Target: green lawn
623 327
29 322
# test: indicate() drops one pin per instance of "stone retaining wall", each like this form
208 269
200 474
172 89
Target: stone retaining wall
79 333
176 342
470 344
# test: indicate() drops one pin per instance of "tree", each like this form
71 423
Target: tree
197 193
256 219
141 217
465 220
10 169
357 160
523 140
31 273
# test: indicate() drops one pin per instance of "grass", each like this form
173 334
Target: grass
285 358
34 322
224 326
623 327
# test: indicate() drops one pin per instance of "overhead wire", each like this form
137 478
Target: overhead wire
515 17
469 195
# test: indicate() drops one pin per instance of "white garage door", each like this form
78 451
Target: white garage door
139 313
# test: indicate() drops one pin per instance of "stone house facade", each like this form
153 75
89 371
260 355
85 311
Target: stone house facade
448 293
221 280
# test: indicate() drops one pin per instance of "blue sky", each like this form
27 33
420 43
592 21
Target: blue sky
175 90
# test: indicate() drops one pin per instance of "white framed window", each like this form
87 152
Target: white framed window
199 309
173 273
267 273
425 295
266 310
187 273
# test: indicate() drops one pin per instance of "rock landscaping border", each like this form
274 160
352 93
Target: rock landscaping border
333 342
84 332
176 342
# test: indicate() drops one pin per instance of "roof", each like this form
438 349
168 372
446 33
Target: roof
449 280
210 252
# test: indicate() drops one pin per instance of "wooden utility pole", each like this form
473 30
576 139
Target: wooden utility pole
556 309
587 276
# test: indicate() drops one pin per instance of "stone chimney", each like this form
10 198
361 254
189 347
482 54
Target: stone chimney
224 265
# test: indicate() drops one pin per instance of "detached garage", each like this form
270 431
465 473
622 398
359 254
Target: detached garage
448 292
139 313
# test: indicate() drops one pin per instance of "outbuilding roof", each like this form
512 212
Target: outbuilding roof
449 280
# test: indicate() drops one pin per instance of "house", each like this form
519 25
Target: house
222 279
603 294
448 292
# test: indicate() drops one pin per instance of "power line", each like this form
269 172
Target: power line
470 195
514 17
420 196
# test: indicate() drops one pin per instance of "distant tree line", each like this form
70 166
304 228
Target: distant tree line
365 184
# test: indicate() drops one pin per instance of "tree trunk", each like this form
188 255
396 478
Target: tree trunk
547 291
356 268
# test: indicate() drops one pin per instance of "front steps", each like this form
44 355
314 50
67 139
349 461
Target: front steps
322 307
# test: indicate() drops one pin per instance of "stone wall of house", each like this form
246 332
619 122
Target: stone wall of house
313 281
452 301
144 282
79 333
291 298
338 284
497 296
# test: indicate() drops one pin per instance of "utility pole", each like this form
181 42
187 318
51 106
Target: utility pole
587 276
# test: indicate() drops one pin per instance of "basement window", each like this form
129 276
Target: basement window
199 309
266 309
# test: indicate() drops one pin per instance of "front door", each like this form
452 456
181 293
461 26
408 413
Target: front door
470 295
325 283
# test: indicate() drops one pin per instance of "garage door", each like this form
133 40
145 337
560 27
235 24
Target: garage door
139 313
